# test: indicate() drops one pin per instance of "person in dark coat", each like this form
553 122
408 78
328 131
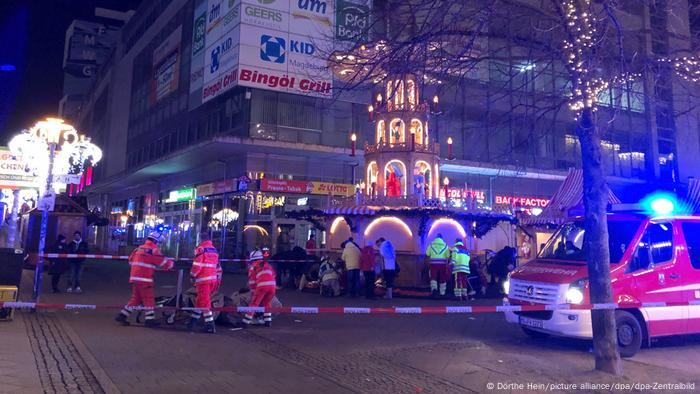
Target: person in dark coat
78 246
58 266
502 264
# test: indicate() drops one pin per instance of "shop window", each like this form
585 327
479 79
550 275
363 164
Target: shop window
692 241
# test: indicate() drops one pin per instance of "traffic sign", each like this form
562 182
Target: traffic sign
47 202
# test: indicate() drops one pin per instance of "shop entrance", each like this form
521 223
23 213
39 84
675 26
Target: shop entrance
289 233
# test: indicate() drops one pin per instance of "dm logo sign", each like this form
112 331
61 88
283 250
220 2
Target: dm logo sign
272 49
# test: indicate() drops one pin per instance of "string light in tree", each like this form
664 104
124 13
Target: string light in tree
686 67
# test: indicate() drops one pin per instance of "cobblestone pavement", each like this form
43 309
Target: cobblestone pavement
365 372
61 368
18 373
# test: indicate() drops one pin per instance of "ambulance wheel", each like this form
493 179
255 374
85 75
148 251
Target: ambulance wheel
629 333
535 334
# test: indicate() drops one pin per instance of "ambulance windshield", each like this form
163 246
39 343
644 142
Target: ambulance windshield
567 242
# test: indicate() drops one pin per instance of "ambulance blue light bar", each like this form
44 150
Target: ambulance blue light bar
657 204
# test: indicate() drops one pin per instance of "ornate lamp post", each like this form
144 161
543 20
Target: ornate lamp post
52 147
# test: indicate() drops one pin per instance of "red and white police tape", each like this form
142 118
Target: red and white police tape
118 257
415 310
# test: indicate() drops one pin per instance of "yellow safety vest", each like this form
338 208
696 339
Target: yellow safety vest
460 258
438 250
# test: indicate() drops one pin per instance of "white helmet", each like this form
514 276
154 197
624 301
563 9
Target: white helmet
156 236
255 255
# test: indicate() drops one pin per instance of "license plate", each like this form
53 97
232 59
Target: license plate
531 322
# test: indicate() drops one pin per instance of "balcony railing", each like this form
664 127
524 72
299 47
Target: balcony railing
430 147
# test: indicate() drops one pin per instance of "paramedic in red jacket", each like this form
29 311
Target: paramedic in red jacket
206 274
261 280
144 261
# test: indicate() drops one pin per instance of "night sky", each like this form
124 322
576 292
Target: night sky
31 56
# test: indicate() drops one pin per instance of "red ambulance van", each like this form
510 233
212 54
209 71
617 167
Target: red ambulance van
653 260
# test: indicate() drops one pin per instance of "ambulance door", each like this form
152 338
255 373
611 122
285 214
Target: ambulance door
656 270
691 274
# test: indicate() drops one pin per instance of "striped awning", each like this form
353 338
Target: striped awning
569 196
352 210
693 196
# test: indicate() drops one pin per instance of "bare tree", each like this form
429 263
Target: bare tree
586 43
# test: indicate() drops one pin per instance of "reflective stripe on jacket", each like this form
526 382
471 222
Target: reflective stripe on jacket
205 267
145 260
438 252
261 274
460 258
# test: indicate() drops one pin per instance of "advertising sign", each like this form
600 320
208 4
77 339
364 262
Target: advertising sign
166 66
282 186
336 189
352 20
12 174
88 44
280 45
307 187
273 15
534 202
457 192
181 195
220 187
199 29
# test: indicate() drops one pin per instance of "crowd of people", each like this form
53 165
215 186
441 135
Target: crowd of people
376 258
374 261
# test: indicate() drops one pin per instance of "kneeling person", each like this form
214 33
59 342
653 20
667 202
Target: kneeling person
261 280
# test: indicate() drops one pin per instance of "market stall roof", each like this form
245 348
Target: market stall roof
693 196
352 210
569 195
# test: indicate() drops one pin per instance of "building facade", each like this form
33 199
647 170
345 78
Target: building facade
190 152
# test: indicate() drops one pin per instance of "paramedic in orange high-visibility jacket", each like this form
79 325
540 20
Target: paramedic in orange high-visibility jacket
261 280
144 261
206 274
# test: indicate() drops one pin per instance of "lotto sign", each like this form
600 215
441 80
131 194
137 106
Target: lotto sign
336 189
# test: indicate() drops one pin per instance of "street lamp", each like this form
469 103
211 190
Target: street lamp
51 147
370 110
